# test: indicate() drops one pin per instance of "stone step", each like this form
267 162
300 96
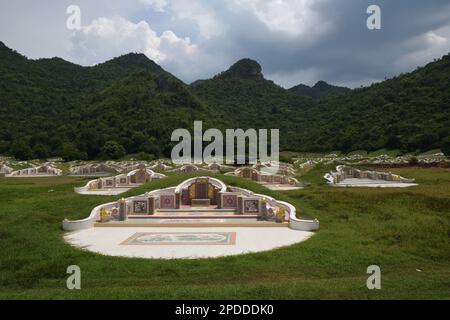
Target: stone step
194 224
192 216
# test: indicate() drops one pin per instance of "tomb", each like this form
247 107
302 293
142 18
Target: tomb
285 169
127 165
216 167
346 176
119 183
187 168
199 218
98 169
45 170
5 169
200 201
160 166
271 181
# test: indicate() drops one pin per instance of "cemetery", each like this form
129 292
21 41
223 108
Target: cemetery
45 170
120 183
223 225
160 166
187 168
346 176
269 180
176 215
96 169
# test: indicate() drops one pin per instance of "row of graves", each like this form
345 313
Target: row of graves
133 165
187 168
119 183
5 169
45 170
160 166
96 169
268 178
200 201
284 169
191 168
346 176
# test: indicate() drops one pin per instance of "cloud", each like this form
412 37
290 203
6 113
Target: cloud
425 47
294 40
198 12
106 38
291 17
158 5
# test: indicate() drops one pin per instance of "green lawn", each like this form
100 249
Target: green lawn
401 230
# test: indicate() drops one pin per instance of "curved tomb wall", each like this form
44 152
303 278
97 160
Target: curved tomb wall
345 172
241 201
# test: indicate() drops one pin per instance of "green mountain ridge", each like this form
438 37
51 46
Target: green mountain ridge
320 90
51 107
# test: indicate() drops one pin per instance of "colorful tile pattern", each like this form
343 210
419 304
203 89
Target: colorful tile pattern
181 238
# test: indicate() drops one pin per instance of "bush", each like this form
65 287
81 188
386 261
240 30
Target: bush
113 150
413 161
69 153
445 146
21 150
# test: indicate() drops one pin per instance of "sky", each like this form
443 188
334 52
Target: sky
295 41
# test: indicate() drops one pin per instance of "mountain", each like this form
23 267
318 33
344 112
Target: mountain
242 98
54 107
319 90
51 107
410 112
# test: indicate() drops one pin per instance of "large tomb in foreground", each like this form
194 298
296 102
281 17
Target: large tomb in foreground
119 183
201 201
45 170
346 176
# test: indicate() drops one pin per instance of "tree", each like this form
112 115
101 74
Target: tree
113 150
445 146
21 150
70 153
41 151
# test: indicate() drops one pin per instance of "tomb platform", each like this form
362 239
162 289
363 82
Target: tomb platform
199 201
199 218
346 176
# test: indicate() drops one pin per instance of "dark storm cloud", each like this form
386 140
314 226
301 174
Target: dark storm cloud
349 53
296 41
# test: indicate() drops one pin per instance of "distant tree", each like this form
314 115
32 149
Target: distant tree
21 150
41 151
69 153
113 150
445 146
413 161
4 146
145 156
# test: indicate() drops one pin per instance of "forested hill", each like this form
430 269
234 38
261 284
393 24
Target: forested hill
242 97
51 107
410 112
320 90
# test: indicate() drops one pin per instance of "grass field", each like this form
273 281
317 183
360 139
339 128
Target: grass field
404 231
